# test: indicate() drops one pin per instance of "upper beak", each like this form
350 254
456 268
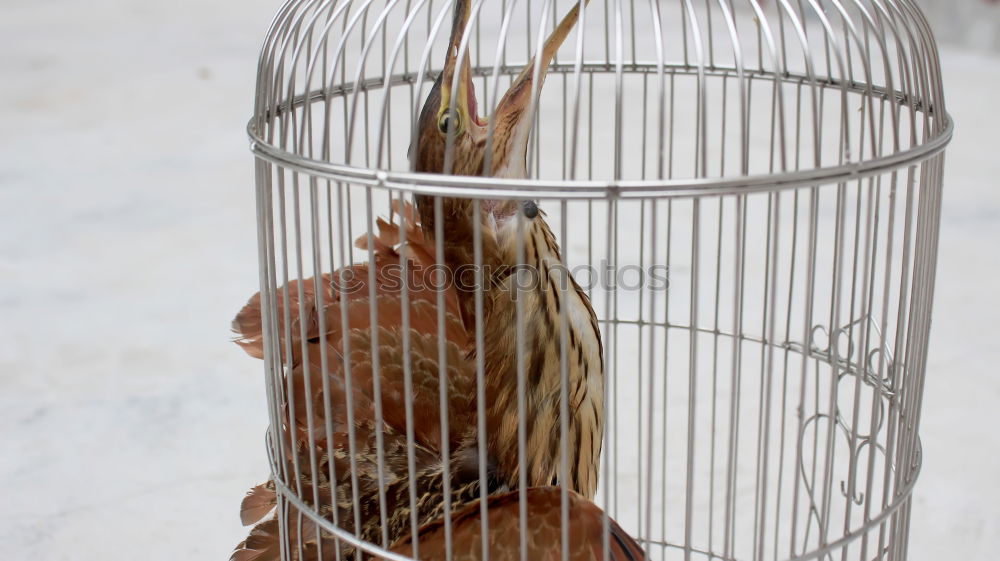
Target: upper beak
513 107
464 100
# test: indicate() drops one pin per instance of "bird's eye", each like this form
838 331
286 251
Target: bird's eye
530 209
449 121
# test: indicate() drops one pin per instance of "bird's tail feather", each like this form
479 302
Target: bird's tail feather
259 501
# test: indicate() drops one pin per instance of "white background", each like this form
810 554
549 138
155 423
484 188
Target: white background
130 427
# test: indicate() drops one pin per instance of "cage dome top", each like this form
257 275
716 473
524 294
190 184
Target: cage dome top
642 99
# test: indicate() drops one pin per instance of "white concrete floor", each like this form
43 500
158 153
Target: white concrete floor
132 427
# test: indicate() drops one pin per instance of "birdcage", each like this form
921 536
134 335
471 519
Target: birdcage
746 192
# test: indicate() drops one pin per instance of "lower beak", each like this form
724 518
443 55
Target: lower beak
514 106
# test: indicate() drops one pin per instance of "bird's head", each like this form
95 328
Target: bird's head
452 138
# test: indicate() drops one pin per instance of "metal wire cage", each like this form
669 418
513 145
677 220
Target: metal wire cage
747 190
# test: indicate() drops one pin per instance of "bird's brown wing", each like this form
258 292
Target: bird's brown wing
351 288
317 427
586 531
248 325
317 341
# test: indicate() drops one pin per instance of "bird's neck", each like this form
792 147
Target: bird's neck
541 309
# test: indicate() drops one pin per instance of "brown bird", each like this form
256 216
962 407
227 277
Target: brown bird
316 435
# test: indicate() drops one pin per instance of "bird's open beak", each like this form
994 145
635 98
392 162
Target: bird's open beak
511 116
512 122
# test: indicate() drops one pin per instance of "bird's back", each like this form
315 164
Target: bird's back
326 441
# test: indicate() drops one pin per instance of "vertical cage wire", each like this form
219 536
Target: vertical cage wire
748 192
